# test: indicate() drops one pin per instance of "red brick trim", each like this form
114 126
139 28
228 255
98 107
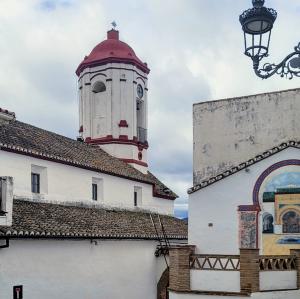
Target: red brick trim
100 62
134 162
244 208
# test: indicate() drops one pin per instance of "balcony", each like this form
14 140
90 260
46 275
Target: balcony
142 135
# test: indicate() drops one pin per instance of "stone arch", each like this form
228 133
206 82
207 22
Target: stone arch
162 285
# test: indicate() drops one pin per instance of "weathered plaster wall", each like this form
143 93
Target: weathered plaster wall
231 131
80 269
68 183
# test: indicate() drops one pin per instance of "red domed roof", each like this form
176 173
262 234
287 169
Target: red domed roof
112 50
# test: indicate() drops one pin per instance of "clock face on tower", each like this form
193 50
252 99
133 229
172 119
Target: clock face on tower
140 91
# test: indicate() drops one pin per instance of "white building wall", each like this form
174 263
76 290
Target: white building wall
262 295
217 281
277 280
68 183
230 131
217 204
68 269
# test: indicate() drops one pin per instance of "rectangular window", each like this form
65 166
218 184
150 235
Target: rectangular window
35 183
137 196
97 189
94 191
39 180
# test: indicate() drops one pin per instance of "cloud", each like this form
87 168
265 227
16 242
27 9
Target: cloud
49 5
194 49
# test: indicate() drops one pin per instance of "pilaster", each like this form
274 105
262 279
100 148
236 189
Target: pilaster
249 270
179 279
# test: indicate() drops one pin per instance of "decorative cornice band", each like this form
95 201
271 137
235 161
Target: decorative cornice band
133 161
123 139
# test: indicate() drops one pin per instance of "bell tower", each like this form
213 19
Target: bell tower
113 101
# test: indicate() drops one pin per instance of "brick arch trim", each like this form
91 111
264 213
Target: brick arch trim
162 285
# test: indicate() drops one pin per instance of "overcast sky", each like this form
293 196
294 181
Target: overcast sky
194 49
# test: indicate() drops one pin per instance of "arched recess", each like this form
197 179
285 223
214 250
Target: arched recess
267 172
258 184
268 226
162 285
291 222
98 86
99 109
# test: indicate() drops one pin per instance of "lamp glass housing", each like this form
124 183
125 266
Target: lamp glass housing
257 24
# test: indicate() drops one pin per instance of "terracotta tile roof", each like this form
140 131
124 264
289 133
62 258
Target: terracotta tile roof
48 220
235 169
26 139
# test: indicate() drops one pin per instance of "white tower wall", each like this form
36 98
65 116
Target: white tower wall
110 118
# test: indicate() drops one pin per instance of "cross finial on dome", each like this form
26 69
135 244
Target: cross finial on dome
114 24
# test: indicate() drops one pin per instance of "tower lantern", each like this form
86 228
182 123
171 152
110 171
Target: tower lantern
113 102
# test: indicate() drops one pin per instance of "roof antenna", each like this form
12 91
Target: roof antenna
114 24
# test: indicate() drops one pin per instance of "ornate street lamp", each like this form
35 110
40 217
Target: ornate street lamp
257 24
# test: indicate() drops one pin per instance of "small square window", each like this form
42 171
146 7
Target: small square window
35 183
94 191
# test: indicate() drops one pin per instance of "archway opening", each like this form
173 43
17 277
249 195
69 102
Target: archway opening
291 222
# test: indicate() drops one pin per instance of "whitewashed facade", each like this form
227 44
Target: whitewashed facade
80 269
113 101
244 215
64 183
76 216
